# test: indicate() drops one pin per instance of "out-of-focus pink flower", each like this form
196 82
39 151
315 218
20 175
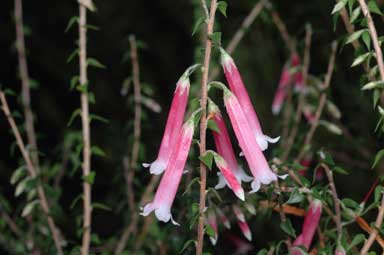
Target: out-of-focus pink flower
173 126
297 74
242 247
340 250
211 221
311 222
297 251
256 161
229 177
224 148
242 223
223 219
305 162
281 92
166 192
309 114
237 87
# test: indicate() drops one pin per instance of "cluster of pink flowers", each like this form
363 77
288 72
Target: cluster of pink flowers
290 74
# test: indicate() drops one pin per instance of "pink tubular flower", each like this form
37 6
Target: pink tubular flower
281 92
242 223
229 177
242 247
225 149
257 163
310 224
297 75
237 87
166 192
173 126
211 221
223 219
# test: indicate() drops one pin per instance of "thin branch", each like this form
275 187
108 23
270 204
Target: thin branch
374 37
203 128
33 173
336 201
295 128
12 224
239 34
320 107
24 76
366 227
374 233
283 217
86 132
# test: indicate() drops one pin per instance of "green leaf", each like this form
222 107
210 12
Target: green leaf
98 118
18 174
212 125
340 5
340 170
9 92
90 178
372 6
71 22
207 159
222 7
287 227
95 63
378 157
28 208
367 40
295 197
360 59
75 113
359 238
378 193
356 35
95 150
216 38
355 14
101 206
193 181
333 128
186 245
373 85
197 25
83 88
73 55
210 231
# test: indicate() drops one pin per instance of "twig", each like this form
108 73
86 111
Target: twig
143 233
131 228
87 199
336 201
282 29
375 40
374 233
320 107
283 217
366 227
295 128
203 127
33 173
24 76
241 31
12 224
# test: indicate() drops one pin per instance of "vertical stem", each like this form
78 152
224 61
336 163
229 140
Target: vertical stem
33 173
24 76
203 127
87 209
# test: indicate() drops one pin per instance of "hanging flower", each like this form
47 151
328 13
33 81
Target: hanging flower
256 161
174 124
242 223
211 221
281 92
224 147
237 87
340 250
166 192
223 219
311 222
229 177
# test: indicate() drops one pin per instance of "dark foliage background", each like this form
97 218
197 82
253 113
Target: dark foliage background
165 28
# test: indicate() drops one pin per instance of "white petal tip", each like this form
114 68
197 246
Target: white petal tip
241 154
255 186
146 165
276 109
272 140
157 167
240 194
283 177
248 235
213 240
227 225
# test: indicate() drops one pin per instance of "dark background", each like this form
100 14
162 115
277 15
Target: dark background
165 28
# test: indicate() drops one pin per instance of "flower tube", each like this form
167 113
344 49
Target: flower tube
166 192
311 222
211 221
224 147
281 92
174 124
242 223
256 161
237 87
223 219
229 177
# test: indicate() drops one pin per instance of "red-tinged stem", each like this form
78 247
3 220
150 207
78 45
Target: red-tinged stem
368 195
203 126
